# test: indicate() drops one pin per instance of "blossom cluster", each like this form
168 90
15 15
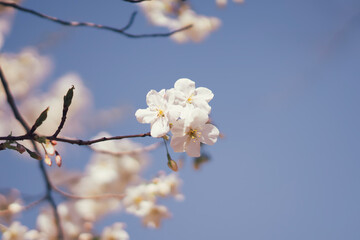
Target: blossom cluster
108 172
185 111
176 14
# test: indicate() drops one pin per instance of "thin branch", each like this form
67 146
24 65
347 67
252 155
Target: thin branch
102 196
63 119
41 163
73 141
92 25
89 142
23 208
131 21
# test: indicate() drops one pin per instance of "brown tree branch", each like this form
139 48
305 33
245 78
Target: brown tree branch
103 139
92 25
21 120
73 141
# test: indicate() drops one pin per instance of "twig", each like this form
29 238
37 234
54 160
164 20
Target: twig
63 119
23 208
41 163
131 21
92 25
102 196
73 141
89 142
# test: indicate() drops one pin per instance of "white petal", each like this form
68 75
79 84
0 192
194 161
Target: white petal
160 127
145 115
187 111
197 119
153 98
185 86
193 148
204 93
203 105
174 112
178 128
178 143
170 95
209 134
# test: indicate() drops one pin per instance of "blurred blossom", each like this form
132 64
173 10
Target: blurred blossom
24 70
10 202
168 185
16 231
223 3
175 14
71 223
46 224
154 217
53 99
64 177
107 173
140 200
115 232
6 17
86 236
33 235
91 210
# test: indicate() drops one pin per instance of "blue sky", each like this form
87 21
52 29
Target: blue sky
285 75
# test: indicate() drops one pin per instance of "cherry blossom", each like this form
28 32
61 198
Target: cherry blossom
189 133
188 96
159 113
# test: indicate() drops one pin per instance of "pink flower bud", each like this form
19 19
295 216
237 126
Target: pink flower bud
47 160
58 159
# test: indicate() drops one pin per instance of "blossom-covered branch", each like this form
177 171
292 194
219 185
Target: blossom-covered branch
94 25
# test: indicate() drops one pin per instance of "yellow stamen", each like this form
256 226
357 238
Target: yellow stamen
160 113
189 100
194 134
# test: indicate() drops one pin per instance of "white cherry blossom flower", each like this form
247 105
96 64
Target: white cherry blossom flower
159 113
188 96
190 132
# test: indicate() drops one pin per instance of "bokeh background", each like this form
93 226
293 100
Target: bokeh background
285 75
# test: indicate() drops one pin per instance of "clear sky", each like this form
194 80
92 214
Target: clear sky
285 75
